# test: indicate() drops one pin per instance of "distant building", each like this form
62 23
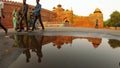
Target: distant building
90 21
58 16
79 21
62 14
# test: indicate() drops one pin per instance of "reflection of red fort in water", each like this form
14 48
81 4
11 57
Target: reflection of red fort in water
57 16
58 41
61 40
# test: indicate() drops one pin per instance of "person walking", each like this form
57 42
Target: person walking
15 19
96 23
116 25
31 18
19 17
24 16
2 15
38 15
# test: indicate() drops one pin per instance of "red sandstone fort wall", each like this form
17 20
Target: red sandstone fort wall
52 17
9 6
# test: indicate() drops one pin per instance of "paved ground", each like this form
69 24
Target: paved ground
60 30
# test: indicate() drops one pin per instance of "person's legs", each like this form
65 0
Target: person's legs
26 22
3 27
29 24
15 23
41 22
20 22
34 23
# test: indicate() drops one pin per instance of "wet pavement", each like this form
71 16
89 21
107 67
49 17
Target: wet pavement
73 30
12 52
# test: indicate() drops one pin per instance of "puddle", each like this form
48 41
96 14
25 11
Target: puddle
38 51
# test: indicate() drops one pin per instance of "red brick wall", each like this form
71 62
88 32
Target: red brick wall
9 6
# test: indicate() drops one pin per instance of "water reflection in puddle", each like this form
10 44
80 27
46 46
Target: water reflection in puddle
65 52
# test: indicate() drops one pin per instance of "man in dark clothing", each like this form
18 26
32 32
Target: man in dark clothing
116 25
24 15
96 23
2 15
37 15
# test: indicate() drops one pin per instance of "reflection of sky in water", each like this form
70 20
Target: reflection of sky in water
79 54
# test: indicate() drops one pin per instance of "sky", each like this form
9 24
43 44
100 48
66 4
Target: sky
81 7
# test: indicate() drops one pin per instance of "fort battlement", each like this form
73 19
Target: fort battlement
57 16
9 7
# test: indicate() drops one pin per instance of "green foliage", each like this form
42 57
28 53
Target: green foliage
107 23
114 18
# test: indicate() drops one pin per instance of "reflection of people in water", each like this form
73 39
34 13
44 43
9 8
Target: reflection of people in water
28 55
21 41
16 42
30 42
39 53
39 49
25 43
36 46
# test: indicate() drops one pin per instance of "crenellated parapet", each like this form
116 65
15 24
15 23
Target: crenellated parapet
58 16
63 14
97 15
9 7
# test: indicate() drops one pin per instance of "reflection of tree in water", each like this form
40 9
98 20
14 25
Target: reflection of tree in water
38 40
114 43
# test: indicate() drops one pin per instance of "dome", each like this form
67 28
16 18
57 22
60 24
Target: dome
67 10
59 5
97 10
54 8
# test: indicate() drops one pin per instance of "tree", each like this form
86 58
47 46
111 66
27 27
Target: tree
107 23
115 18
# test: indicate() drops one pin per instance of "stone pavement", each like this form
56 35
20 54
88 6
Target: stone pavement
59 30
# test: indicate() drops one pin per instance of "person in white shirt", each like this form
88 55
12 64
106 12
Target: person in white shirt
2 16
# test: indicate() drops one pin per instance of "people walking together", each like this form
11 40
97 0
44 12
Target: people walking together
38 15
15 19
